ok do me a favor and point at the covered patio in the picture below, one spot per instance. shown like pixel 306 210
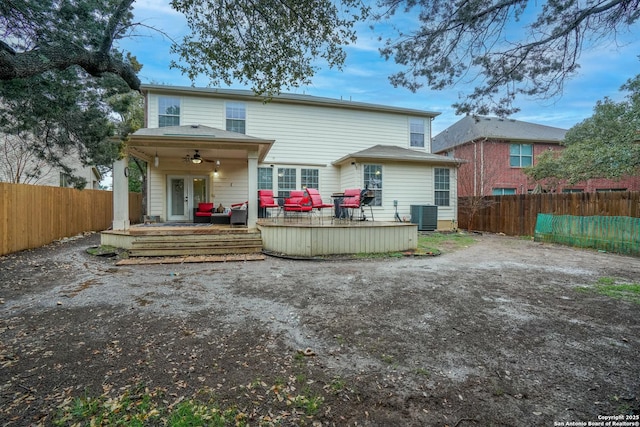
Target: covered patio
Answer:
pixel 188 165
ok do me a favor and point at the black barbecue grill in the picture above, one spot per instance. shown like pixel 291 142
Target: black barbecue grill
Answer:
pixel 366 198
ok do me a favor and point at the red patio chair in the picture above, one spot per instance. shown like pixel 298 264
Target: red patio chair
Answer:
pixel 351 201
pixel 266 201
pixel 297 202
pixel 316 201
pixel 203 212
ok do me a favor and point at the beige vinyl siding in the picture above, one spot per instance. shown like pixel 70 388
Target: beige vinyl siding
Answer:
pixel 152 110
pixel 202 111
pixel 231 186
pixel 156 195
pixel 321 134
pixel 409 184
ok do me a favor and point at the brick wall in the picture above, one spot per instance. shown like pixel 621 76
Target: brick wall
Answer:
pixel 488 167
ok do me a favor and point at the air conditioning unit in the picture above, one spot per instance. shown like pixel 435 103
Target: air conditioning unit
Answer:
pixel 426 216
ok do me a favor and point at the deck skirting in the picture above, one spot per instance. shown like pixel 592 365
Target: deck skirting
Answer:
pixel 310 240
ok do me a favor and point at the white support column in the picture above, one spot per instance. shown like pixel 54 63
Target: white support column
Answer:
pixel 252 218
pixel 121 194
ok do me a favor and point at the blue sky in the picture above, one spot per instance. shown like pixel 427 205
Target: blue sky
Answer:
pixel 364 77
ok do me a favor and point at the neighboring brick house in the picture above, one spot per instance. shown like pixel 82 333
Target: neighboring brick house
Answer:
pixel 497 149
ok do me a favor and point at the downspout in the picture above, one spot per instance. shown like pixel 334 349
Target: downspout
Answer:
pixel 430 133
pixel 482 167
pixel 475 169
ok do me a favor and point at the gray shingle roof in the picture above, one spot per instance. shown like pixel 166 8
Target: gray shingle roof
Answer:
pixel 194 131
pixel 395 153
pixel 471 128
pixel 289 98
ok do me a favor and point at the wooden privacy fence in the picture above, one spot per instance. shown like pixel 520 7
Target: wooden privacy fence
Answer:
pixel 32 216
pixel 516 215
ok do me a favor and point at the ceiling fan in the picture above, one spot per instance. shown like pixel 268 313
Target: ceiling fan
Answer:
pixel 197 159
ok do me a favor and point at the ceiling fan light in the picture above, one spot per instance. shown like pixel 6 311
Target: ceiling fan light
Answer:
pixel 196 159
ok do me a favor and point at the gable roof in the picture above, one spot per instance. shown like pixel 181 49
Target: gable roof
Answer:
pixel 472 128
pixel 285 98
pixel 396 154
pixel 196 137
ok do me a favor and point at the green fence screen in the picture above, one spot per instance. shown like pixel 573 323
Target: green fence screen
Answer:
pixel 620 234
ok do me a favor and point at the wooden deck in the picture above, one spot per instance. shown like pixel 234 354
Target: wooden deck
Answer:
pixel 160 240
pixel 305 238
pixel 291 237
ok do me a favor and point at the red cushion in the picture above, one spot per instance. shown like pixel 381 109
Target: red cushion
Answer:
pixel 203 213
pixel 205 207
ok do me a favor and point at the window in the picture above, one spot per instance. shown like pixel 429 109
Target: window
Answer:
pixel 572 190
pixel 373 182
pixel 236 117
pixel 265 178
pixel 441 186
pixel 520 155
pixel 608 190
pixel 286 181
pixel 416 130
pixel 168 111
pixel 503 191
pixel 65 180
pixel 309 178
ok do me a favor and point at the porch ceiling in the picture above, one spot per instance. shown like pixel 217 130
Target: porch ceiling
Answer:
pixel 178 142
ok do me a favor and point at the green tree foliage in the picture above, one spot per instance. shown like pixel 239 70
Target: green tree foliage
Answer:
pixel 606 145
pixel 269 44
pixel 471 41
pixel 62 114
pixel 60 77
pixel 44 35
pixel 59 70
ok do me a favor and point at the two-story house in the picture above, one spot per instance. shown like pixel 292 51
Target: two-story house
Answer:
pixel 222 146
pixel 18 164
pixel 496 150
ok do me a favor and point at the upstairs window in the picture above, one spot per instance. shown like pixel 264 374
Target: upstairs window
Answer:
pixel 168 111
pixel 373 182
pixel 236 116
pixel 416 130
pixel 520 155
pixel 441 184
pixel 503 191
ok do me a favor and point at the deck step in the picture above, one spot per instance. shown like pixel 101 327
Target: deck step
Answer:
pixel 177 245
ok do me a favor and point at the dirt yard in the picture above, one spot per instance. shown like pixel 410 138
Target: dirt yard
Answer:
pixel 501 333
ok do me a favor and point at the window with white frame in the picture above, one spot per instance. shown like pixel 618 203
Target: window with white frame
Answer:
pixel 416 131
pixel 236 117
pixel 309 178
pixel 441 185
pixel 168 111
pixel 503 191
pixel 373 182
pixel 286 181
pixel 265 178
pixel 520 155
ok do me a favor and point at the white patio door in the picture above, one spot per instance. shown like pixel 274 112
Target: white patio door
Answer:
pixel 183 194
